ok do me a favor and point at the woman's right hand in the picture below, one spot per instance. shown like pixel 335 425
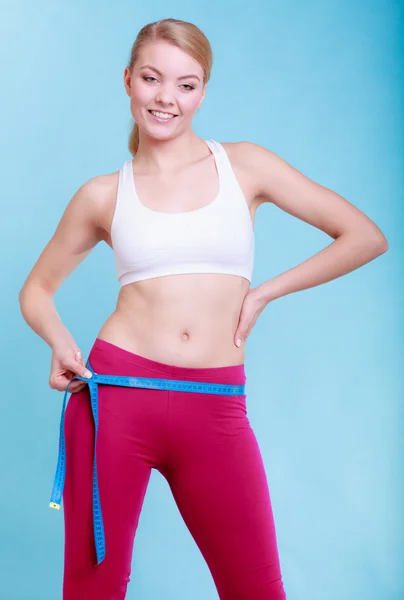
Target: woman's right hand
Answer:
pixel 67 363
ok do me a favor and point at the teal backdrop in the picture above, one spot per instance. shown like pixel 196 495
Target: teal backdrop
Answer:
pixel 319 83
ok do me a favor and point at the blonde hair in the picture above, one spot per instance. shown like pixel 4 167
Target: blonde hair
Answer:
pixel 186 36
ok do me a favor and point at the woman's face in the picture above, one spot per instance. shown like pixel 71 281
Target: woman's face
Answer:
pixel 166 79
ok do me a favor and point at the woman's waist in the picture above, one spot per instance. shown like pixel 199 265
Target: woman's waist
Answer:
pixel 111 358
pixel 180 342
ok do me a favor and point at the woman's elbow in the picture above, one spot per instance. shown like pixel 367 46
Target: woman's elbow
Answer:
pixel 381 244
pixel 384 245
pixel 375 241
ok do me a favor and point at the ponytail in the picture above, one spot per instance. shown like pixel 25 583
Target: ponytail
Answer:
pixel 134 139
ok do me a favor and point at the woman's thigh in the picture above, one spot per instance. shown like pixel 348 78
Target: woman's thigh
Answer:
pixel 219 483
pixel 129 444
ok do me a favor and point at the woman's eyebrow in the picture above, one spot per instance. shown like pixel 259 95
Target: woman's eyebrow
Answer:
pixel 161 74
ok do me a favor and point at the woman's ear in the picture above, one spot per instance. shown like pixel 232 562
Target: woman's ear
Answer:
pixel 127 80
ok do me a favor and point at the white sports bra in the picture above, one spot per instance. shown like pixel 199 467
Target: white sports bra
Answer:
pixel 217 238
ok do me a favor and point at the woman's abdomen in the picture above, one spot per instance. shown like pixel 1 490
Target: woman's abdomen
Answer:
pixel 187 320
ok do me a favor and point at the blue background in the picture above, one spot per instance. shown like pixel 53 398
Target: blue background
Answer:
pixel 319 83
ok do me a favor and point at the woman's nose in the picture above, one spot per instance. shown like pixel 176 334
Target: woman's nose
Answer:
pixel 165 96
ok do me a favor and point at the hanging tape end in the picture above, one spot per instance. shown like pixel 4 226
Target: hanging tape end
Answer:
pixel 54 505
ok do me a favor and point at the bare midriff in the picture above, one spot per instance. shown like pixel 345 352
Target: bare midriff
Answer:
pixel 186 320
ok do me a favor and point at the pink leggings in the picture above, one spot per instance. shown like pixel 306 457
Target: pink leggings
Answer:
pixel 204 446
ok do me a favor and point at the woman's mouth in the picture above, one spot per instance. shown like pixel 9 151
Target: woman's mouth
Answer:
pixel 161 117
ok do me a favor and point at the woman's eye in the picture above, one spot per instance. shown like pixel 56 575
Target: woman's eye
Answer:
pixel 186 85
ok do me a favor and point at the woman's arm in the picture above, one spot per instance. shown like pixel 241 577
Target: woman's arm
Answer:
pixel 77 233
pixel 358 240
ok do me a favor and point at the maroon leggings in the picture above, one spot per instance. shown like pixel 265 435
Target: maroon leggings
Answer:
pixel 204 446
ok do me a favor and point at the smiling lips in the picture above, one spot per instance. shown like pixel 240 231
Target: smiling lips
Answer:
pixel 162 116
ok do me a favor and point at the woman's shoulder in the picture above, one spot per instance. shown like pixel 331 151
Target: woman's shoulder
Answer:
pixel 245 151
pixel 101 189
pixel 101 184
pixel 261 168
pixel 254 158
pixel 97 196
pixel 250 157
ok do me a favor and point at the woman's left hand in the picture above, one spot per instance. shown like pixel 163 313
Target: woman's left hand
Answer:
pixel 253 305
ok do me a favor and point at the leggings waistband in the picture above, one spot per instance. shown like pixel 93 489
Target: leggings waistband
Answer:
pixel 231 373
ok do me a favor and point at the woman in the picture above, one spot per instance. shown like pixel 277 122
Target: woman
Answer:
pixel 179 218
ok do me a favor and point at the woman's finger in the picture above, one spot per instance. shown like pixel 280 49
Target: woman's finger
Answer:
pixel 77 388
pixel 60 382
pixel 76 385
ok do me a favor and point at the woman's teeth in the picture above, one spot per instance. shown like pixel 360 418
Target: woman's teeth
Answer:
pixel 160 115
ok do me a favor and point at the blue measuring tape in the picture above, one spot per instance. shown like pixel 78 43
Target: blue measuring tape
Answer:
pixel 139 382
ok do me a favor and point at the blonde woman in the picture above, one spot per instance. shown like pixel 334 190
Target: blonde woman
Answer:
pixel 163 386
